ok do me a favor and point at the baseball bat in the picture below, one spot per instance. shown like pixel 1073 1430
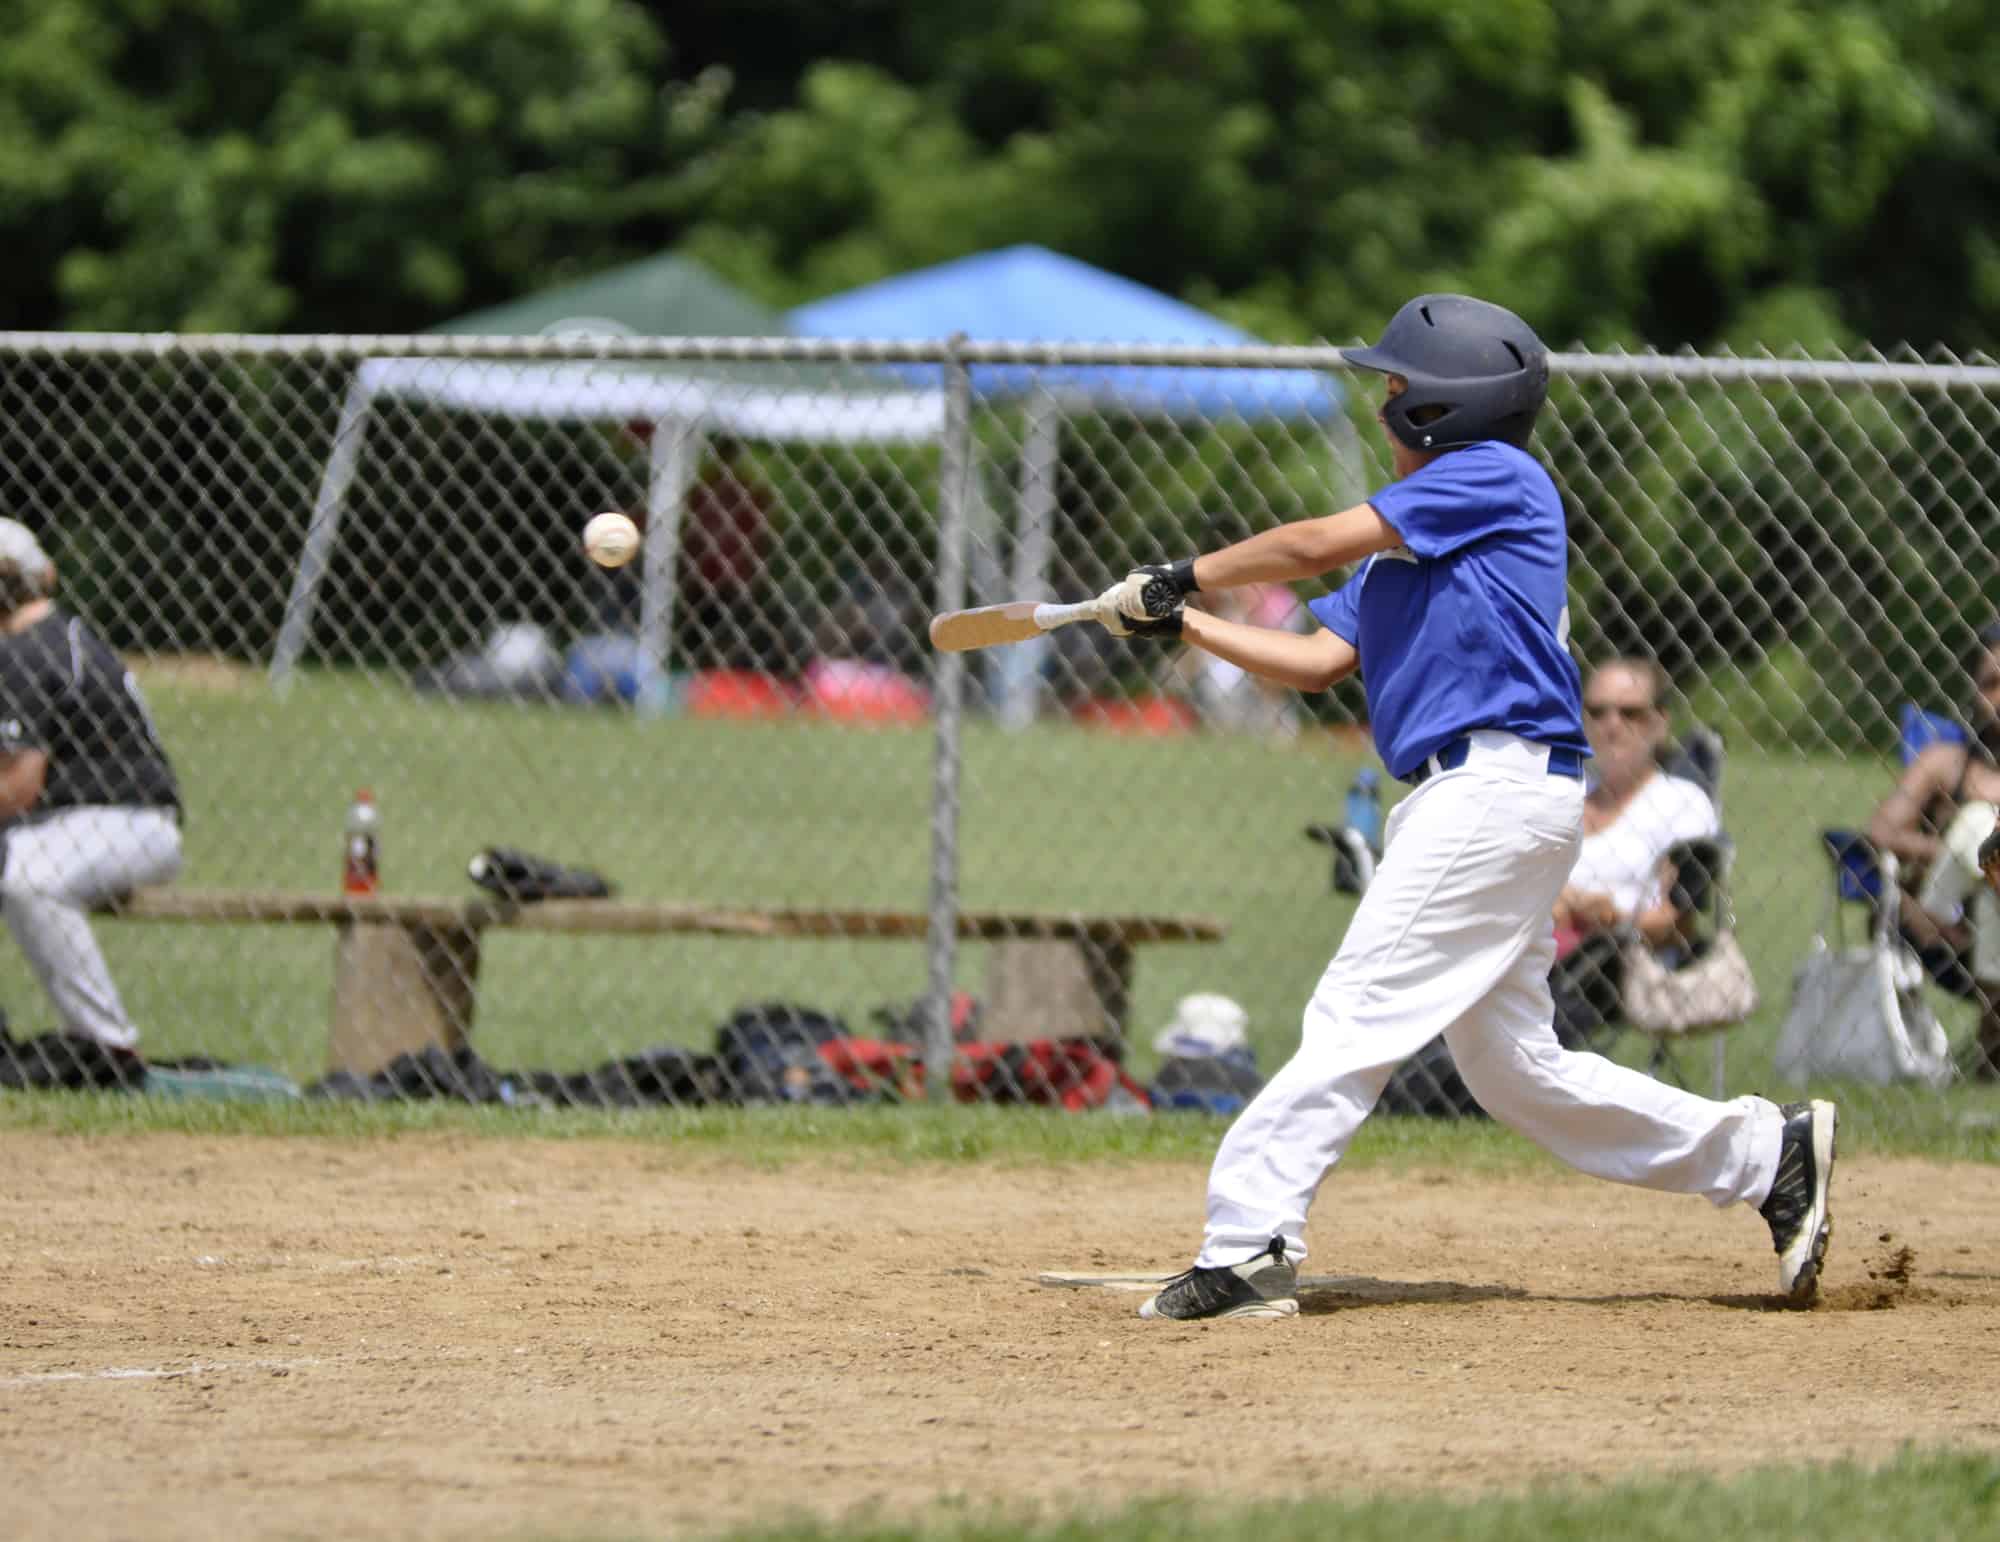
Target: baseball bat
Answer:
pixel 990 625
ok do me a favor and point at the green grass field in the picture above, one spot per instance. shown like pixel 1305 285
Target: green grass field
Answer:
pixel 810 814
pixel 1921 1497
pixel 875 1135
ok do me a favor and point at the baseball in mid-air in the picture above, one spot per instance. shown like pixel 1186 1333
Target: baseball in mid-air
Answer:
pixel 612 540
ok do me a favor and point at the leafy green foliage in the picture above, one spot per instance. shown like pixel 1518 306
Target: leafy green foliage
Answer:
pixel 347 165
pixel 1621 170
pixel 1780 175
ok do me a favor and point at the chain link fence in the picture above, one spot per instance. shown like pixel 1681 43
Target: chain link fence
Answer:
pixel 1073 870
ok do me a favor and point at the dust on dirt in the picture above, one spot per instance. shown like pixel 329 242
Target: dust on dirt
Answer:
pixel 462 1337
pixel 1891 1270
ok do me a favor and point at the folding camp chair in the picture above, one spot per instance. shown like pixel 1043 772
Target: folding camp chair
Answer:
pixel 1920 729
pixel 1860 872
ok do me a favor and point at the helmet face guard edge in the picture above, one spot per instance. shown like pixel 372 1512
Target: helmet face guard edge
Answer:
pixel 1478 362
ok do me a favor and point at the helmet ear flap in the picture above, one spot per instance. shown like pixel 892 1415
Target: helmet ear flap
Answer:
pixel 1422 422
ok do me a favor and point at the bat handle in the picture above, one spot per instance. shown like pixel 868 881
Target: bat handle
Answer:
pixel 1049 617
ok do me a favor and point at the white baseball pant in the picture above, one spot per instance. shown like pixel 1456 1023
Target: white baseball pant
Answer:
pixel 57 868
pixel 1454 936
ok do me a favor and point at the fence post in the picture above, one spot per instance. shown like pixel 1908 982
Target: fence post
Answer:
pixel 296 630
pixel 947 693
pixel 674 448
pixel 1034 541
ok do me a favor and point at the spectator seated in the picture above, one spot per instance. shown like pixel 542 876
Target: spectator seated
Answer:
pixel 1860 870
pixel 1648 899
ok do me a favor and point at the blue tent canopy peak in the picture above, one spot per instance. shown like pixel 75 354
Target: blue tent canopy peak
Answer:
pixel 1031 294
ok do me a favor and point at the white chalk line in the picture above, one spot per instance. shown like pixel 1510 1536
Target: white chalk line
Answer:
pixel 152 1373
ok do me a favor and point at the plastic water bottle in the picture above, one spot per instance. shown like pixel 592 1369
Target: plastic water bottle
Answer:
pixel 1364 807
pixel 360 871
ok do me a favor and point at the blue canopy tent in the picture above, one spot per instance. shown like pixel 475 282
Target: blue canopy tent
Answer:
pixel 1031 294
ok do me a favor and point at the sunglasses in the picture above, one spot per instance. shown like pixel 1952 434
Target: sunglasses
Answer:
pixel 1631 714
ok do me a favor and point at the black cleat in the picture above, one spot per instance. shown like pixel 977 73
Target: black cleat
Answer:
pixel 1264 1285
pixel 1797 1209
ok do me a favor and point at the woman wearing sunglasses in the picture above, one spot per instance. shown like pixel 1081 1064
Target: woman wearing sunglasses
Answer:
pixel 1633 814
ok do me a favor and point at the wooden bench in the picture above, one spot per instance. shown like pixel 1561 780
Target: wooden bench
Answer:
pixel 406 970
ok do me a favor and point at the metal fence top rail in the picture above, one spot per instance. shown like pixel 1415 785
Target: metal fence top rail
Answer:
pixel 1874 370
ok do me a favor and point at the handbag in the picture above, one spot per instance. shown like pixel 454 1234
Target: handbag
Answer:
pixel 1858 1009
pixel 1711 991
pixel 1859 1013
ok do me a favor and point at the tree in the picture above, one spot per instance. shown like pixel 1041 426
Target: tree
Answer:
pixel 1621 170
pixel 349 165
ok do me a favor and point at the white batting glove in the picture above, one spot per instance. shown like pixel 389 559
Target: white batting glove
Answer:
pixel 1105 612
pixel 1115 621
pixel 1123 601
pixel 1153 592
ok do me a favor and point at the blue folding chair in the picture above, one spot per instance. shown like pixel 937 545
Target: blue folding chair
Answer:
pixel 1920 729
pixel 1858 869
pixel 1857 872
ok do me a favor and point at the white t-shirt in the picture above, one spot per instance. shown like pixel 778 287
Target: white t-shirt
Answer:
pixel 1623 859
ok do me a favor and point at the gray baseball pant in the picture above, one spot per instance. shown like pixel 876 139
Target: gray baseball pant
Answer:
pixel 57 868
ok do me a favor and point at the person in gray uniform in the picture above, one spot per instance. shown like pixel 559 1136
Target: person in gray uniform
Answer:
pixel 89 806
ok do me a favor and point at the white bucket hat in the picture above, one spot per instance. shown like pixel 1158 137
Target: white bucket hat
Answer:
pixel 1204 1024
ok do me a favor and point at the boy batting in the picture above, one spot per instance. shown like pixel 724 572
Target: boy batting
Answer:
pixel 1457 619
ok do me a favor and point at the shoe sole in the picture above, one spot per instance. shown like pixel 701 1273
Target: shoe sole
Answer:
pixel 1284 1307
pixel 1817 1230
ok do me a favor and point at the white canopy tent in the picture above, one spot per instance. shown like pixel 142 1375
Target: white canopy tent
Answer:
pixel 684 407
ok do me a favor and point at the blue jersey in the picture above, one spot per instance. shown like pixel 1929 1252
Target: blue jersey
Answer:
pixel 1465 625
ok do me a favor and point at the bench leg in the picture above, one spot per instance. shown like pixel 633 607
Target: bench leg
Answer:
pixel 1109 960
pixel 399 990
pixel 1059 989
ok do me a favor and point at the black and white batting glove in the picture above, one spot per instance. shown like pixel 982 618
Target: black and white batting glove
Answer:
pixel 1118 624
pixel 1153 592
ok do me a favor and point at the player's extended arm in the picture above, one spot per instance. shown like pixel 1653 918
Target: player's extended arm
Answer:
pixel 1306 662
pixel 1896 825
pixel 1305 548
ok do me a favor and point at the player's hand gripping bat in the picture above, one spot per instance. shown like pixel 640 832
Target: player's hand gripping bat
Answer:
pixel 1016 621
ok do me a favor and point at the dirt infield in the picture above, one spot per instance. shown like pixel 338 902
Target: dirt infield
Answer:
pixel 462 1337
